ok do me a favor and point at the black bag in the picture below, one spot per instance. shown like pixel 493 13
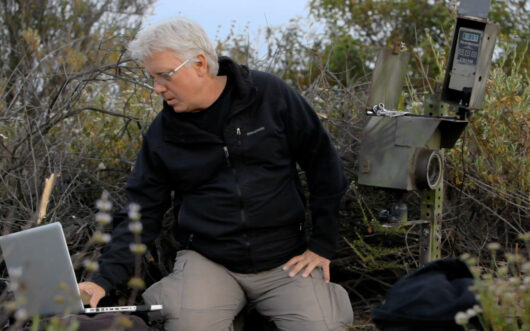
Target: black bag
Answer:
pixel 427 299
pixel 103 321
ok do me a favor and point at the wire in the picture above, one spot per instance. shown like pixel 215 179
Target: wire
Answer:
pixel 407 245
pixel 463 161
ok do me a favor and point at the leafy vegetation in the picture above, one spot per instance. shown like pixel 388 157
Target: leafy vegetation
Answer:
pixel 502 288
pixel 64 100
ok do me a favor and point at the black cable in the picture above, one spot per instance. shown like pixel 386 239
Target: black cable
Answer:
pixel 462 160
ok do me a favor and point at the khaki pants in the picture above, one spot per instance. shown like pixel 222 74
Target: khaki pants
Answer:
pixel 202 295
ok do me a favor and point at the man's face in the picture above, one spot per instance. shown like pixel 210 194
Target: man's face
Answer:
pixel 181 89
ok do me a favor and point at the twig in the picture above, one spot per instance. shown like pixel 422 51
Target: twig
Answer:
pixel 48 186
pixel 519 231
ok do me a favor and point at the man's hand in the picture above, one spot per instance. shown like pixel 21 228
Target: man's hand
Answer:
pixel 91 293
pixel 309 261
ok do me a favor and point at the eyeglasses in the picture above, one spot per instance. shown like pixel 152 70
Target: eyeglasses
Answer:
pixel 166 76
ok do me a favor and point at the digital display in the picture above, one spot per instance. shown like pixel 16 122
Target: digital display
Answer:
pixel 473 37
pixel 468 47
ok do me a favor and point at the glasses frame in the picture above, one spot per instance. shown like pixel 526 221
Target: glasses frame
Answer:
pixel 166 76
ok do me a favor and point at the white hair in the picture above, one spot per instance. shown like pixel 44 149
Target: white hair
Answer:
pixel 180 35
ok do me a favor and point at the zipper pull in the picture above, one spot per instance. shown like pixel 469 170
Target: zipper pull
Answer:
pixel 227 155
pixel 238 133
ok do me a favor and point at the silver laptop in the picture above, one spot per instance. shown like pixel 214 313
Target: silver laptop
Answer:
pixel 40 268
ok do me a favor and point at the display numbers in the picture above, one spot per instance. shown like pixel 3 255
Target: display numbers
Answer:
pixel 468 36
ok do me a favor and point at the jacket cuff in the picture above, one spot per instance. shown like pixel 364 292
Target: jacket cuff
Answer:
pixel 98 279
pixel 321 248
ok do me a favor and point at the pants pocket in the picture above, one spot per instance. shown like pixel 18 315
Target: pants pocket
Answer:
pixel 168 293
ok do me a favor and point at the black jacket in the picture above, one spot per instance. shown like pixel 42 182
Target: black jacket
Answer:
pixel 428 299
pixel 240 199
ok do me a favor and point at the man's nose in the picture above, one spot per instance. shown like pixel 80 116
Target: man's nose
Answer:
pixel 159 88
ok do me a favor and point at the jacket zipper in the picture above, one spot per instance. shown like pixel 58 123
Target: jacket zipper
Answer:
pixel 238 188
pixel 239 193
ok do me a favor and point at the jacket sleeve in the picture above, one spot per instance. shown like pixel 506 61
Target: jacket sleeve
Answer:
pixel 147 187
pixel 313 150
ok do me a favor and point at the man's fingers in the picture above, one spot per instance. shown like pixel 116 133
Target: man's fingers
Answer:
pixel 299 266
pixel 292 262
pixel 91 293
pixel 95 300
pixel 309 269
pixel 85 297
pixel 309 261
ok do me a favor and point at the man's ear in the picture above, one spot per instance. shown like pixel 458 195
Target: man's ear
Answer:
pixel 201 64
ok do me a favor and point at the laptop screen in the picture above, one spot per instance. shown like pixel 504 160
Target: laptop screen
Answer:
pixel 41 271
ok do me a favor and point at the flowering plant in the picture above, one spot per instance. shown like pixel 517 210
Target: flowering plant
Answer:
pixel 503 290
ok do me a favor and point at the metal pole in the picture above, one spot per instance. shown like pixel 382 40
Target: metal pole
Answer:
pixel 430 234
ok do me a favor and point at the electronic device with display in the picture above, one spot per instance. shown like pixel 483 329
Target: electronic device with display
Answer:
pixel 466 58
pixel 469 60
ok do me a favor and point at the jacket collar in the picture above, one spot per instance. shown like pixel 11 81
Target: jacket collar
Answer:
pixel 238 74
pixel 245 93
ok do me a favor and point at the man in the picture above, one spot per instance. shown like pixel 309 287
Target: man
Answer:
pixel 226 145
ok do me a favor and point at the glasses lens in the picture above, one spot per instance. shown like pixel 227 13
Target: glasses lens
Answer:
pixel 165 76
